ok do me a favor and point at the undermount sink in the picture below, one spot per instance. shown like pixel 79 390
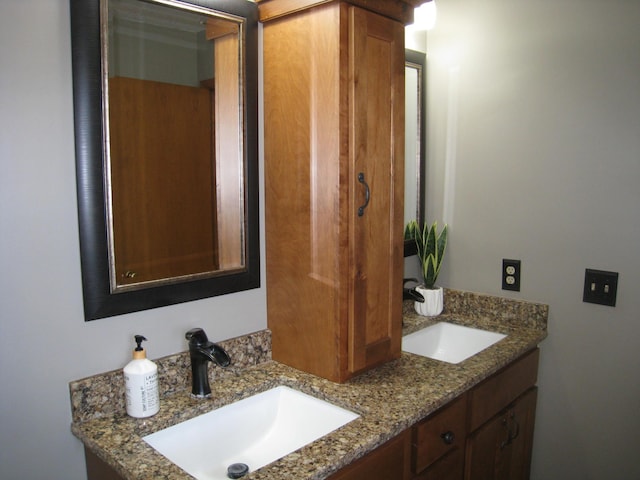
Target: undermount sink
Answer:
pixel 449 342
pixel 254 431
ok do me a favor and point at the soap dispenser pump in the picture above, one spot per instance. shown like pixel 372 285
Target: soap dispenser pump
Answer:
pixel 141 383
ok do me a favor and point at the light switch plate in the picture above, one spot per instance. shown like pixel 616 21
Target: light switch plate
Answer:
pixel 600 287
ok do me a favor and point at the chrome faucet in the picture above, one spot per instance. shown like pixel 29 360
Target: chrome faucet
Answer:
pixel 202 351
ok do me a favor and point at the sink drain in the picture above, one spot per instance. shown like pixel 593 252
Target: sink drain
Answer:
pixel 237 470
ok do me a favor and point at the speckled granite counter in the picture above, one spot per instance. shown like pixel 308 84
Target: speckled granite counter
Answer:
pixel 389 399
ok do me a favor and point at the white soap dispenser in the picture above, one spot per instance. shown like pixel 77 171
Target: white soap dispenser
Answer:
pixel 141 383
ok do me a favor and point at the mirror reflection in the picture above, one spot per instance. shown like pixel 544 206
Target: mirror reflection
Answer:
pixel 172 86
pixel 415 143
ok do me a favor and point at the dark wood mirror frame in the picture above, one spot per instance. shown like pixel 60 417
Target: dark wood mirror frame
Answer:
pixel 99 302
pixel 417 60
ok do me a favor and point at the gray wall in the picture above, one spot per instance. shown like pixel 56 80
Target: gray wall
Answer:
pixel 44 341
pixel 534 154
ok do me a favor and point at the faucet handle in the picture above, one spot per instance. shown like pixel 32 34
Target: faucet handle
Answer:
pixel 197 337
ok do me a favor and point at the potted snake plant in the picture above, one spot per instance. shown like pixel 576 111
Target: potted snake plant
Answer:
pixel 431 247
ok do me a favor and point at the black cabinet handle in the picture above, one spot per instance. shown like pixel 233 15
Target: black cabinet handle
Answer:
pixel 513 430
pixel 448 437
pixel 367 194
pixel 516 433
pixel 505 424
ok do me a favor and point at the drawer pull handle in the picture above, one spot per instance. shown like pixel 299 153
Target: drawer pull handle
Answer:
pixel 448 437
pixel 505 424
pixel 367 194
pixel 516 434
pixel 511 434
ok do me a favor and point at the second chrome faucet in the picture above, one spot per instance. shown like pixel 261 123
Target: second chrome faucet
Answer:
pixel 201 352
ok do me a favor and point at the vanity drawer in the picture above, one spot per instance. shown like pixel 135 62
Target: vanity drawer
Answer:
pixel 439 434
pixel 499 390
pixel 389 461
pixel 449 467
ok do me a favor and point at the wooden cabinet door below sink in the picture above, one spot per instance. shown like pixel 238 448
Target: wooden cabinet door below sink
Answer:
pixel 98 469
pixel 501 449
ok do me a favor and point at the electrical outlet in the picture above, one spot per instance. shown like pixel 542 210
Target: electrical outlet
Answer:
pixel 511 275
pixel 600 287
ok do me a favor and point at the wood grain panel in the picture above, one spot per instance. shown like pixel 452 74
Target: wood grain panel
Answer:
pixel 375 71
pixel 303 164
pixel 451 467
pixel 334 80
pixel 501 448
pixel 98 469
pixel 400 10
pixel 428 442
pixel 228 145
pixel 388 462
pixel 162 179
pixel 489 397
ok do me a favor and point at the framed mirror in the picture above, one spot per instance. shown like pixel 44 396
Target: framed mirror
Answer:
pixel 165 105
pixel 415 141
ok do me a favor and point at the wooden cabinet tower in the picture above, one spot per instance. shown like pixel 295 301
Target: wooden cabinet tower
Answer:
pixel 334 174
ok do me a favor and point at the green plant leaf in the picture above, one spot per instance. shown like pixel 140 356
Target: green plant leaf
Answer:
pixel 429 272
pixel 411 230
pixel 430 240
pixel 441 246
pixel 431 248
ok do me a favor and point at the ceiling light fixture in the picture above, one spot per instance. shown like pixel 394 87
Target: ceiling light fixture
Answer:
pixel 424 16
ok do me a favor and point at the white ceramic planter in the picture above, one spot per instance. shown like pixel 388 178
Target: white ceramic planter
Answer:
pixel 433 301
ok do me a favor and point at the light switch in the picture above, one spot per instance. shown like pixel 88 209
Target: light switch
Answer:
pixel 600 287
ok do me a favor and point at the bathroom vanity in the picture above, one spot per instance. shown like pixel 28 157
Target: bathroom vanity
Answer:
pixel 485 433
pixel 419 418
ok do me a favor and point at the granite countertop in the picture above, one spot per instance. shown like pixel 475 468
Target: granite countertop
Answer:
pixel 388 399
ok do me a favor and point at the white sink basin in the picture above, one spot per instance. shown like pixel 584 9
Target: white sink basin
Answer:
pixel 255 431
pixel 448 342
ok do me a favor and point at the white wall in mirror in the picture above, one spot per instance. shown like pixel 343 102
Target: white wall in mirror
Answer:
pixel 415 39
pixel 411 145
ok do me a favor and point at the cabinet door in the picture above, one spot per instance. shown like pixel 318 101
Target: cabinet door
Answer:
pixel 523 418
pixel 501 389
pixel 98 469
pixel 376 180
pixel 450 467
pixel 501 449
pixel 390 461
